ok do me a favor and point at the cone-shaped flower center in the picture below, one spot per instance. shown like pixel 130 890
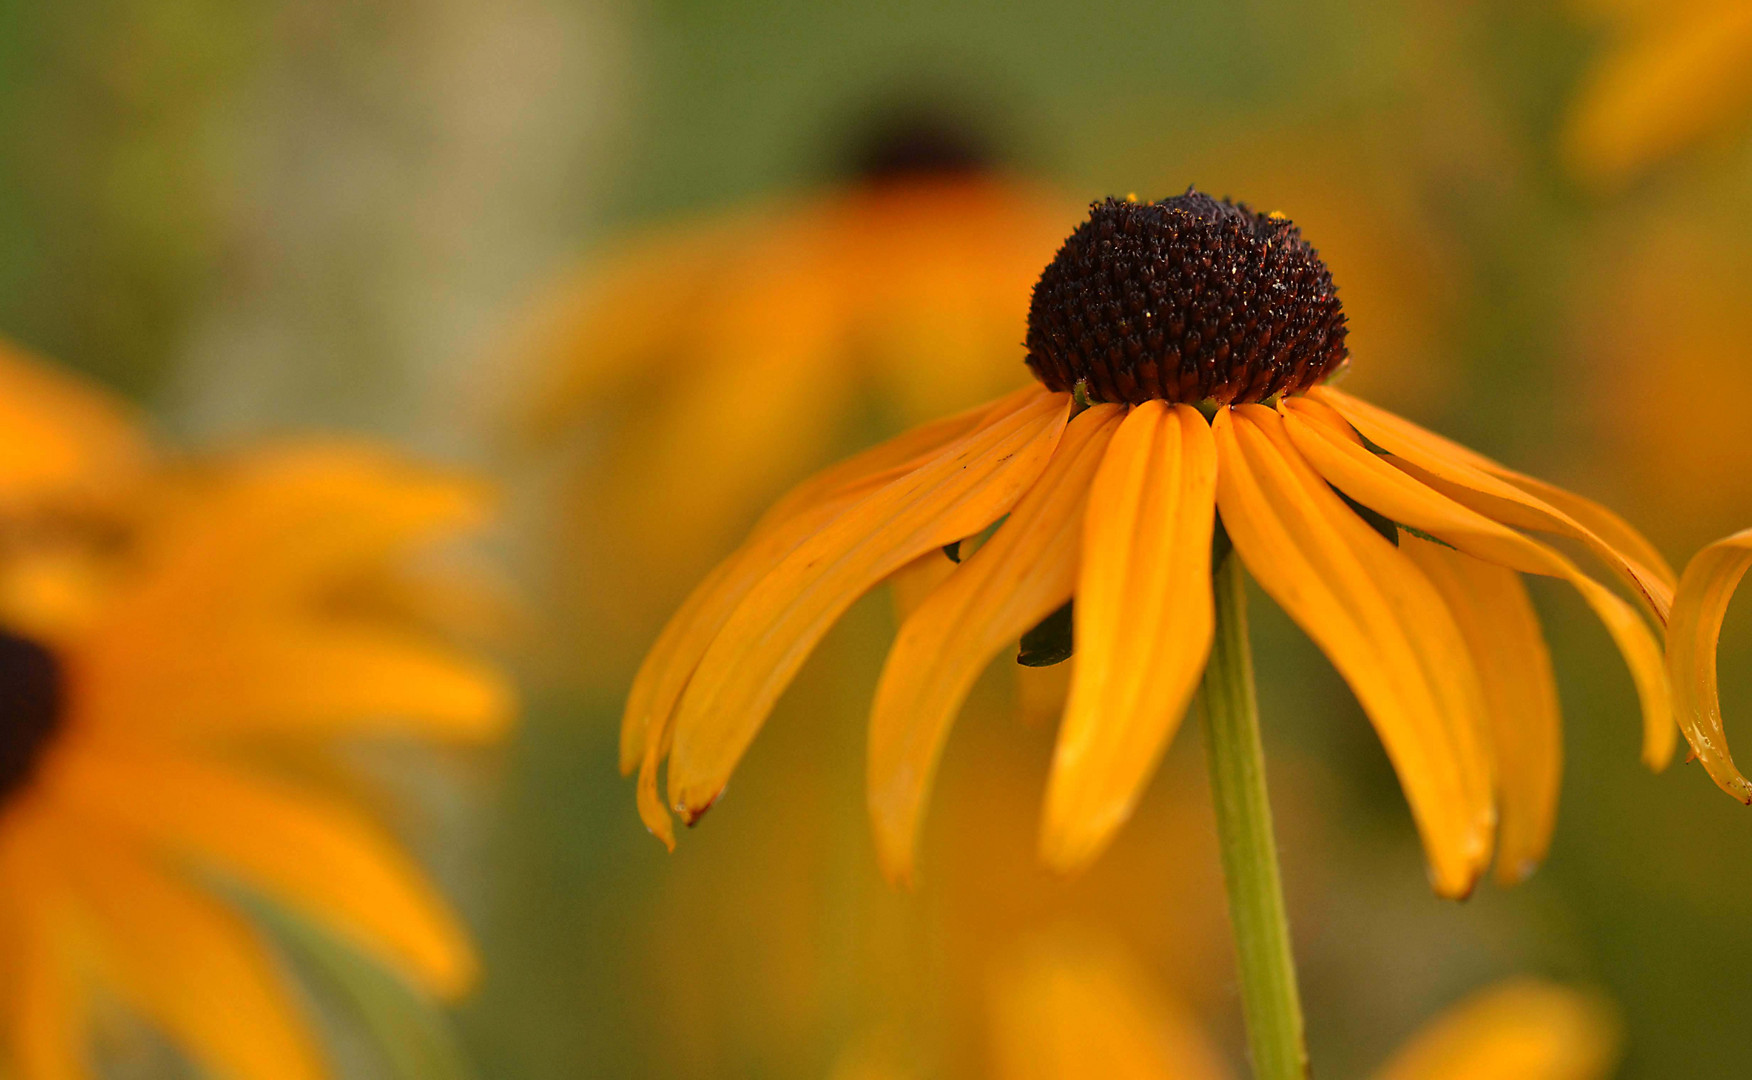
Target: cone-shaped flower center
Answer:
pixel 1187 299
pixel 31 699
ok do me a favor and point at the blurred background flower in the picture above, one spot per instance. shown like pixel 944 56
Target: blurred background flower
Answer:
pixel 179 639
pixel 258 218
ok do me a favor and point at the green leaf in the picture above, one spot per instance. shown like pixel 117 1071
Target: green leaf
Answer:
pixel 1049 642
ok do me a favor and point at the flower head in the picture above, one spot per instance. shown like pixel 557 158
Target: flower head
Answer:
pixel 154 649
pixel 1397 551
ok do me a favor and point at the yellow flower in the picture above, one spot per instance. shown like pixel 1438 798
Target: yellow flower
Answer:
pixel 757 340
pixel 1059 1013
pixel 155 650
pixel 1680 72
pixel 1398 552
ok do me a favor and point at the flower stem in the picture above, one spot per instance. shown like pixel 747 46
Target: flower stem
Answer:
pixel 1269 999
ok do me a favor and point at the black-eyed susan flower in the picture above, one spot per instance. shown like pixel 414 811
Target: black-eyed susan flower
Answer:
pixel 710 362
pixel 1678 73
pixel 156 650
pixel 1065 1007
pixel 1181 348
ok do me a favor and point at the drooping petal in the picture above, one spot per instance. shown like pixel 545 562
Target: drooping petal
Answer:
pixel 1514 666
pixel 811 505
pixel 309 853
pixel 1328 442
pixel 1522 1029
pixel 191 965
pixel 766 639
pixel 889 460
pixel 1020 576
pixel 1144 619
pixel 1705 588
pixel 1479 483
pixel 1382 624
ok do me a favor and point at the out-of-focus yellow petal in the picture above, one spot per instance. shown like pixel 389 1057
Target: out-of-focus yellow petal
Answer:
pixel 1025 572
pixel 309 682
pixel 1520 693
pixel 66 441
pixel 1475 481
pixel 1698 609
pixel 1523 1029
pixel 1683 74
pixel 254 563
pixel 309 852
pixel 1068 1011
pixel 189 964
pixel 44 1011
pixel 766 639
pixel 1144 618
pixel 599 328
pixel 1331 446
pixel 1379 620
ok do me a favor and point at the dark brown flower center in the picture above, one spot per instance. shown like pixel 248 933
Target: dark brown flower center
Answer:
pixel 31 700
pixel 1188 299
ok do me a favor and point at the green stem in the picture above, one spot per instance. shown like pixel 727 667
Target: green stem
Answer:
pixel 1267 969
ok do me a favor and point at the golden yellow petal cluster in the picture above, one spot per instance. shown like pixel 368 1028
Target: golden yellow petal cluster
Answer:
pixel 205 618
pixel 1422 610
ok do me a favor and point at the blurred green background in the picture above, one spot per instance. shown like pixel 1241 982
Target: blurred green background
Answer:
pixel 257 216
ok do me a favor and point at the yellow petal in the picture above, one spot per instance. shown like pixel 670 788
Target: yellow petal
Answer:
pixel 1332 447
pixel 1474 481
pixel 892 459
pixel 1379 620
pixel 295 680
pixel 191 965
pixel 67 441
pixel 1525 734
pixel 1686 74
pixel 1698 609
pixel 45 1005
pixel 648 724
pixel 763 643
pixel 1518 1030
pixel 1025 572
pixel 813 503
pixel 601 327
pixel 1065 1011
pixel 1144 618
pixel 310 853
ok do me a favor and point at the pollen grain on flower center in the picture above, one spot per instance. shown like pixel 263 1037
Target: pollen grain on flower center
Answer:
pixel 30 707
pixel 1185 300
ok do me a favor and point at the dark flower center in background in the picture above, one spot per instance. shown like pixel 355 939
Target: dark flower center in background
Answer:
pixel 31 700
pixel 1187 299
pixel 914 143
